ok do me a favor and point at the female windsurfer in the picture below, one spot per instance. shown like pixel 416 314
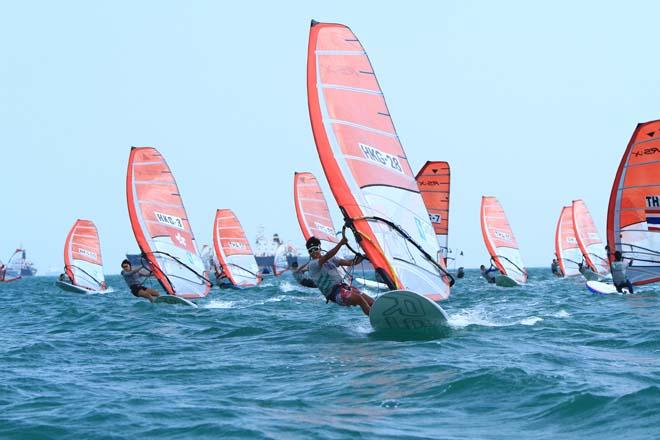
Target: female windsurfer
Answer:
pixel 133 278
pixel 323 270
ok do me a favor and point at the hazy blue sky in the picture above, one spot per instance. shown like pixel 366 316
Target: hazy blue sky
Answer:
pixel 533 103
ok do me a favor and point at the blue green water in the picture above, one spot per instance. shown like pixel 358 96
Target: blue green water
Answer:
pixel 548 360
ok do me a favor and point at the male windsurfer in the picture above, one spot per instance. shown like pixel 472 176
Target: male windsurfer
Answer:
pixel 488 274
pixel 584 269
pixel 619 277
pixel 64 277
pixel 133 278
pixel 323 270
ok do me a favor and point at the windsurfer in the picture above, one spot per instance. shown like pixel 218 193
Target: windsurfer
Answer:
pixel 584 269
pixel 323 271
pixel 65 278
pixel 489 274
pixel 619 277
pixel 133 278
pixel 556 270
pixel 301 275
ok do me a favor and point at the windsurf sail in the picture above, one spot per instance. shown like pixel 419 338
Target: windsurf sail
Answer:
pixel 312 210
pixel 566 246
pixel 633 217
pixel 588 239
pixel 280 261
pixel 14 266
pixel 500 241
pixel 433 182
pixel 366 166
pixel 233 250
pixel 82 256
pixel 161 225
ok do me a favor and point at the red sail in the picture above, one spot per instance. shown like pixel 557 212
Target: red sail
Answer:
pixel 566 246
pixel 161 227
pixel 312 209
pixel 588 238
pixel 433 182
pixel 83 262
pixel 233 250
pixel 633 217
pixel 500 241
pixel 365 164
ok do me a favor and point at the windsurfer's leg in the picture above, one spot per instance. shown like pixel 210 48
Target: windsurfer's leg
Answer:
pixel 143 293
pixel 357 299
pixel 152 292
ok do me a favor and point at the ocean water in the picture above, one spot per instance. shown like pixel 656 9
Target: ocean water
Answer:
pixel 548 360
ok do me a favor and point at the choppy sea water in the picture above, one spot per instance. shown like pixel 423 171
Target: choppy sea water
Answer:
pixel 549 360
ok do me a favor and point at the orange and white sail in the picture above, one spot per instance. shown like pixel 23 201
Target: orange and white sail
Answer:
pixel 567 249
pixel 312 210
pixel 14 266
pixel 633 217
pixel 586 234
pixel 500 241
pixel 83 262
pixel 161 227
pixel 433 182
pixel 234 251
pixel 366 166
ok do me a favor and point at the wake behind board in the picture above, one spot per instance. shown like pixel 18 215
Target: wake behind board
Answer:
pixel 603 288
pixel 505 281
pixel 405 310
pixel 77 289
pixel 176 300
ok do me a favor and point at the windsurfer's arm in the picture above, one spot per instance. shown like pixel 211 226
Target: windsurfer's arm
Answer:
pixel 353 261
pixel 332 252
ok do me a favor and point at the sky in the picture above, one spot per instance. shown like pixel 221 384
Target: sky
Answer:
pixel 531 102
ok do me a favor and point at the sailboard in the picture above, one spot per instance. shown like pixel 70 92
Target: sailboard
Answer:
pixel 161 227
pixel 234 251
pixel 591 246
pixel 14 265
pixel 433 181
pixel 83 262
pixel 604 288
pixel 633 216
pixel 369 174
pixel 567 249
pixel 501 243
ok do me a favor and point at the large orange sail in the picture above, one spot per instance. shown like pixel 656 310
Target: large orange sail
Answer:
pixel 234 251
pixel 500 241
pixel 83 262
pixel 160 224
pixel 566 246
pixel 365 163
pixel 633 217
pixel 433 182
pixel 312 210
pixel 586 234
